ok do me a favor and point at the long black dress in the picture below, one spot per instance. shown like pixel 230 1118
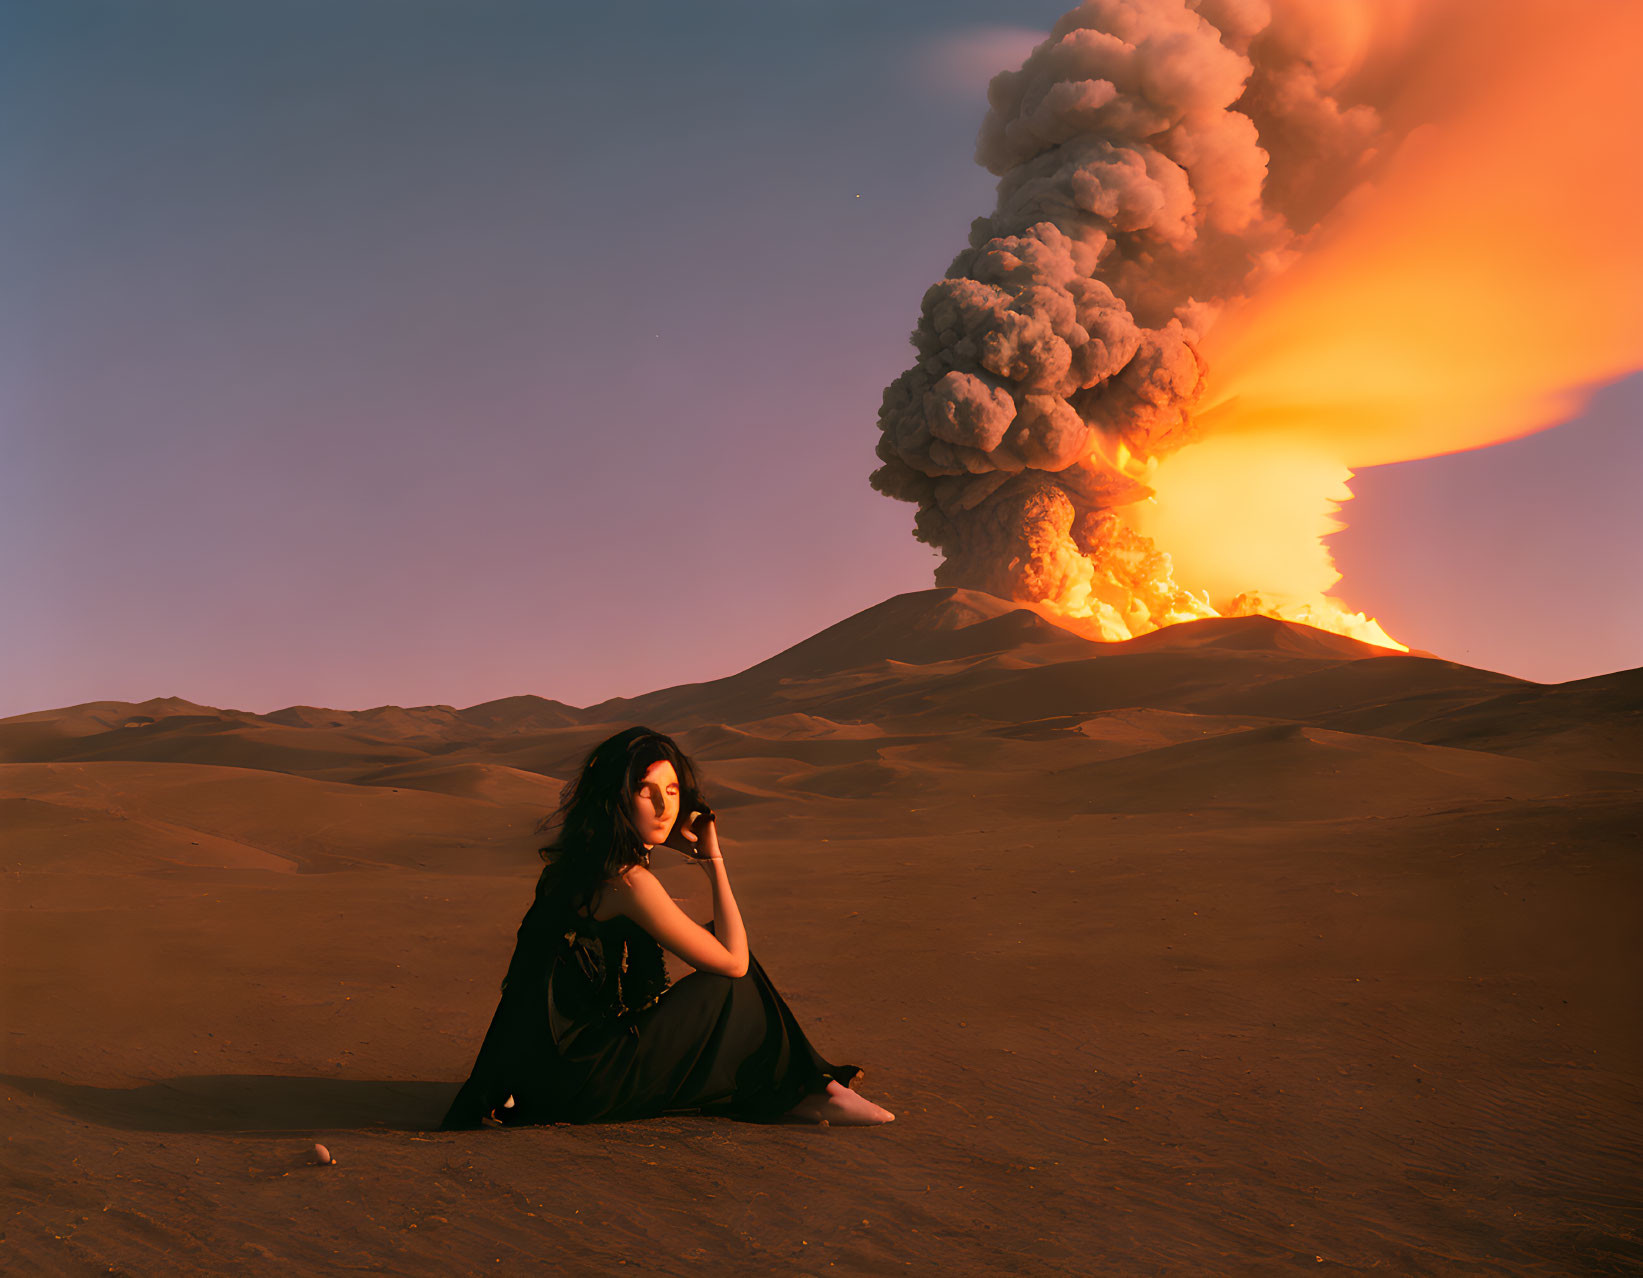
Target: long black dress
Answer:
pixel 589 1030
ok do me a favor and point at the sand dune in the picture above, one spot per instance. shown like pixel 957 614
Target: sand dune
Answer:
pixel 802 727
pixel 383 723
pixel 1592 722
pixel 226 737
pixel 44 732
pixel 522 714
pixel 1293 772
pixel 919 629
pixel 491 782
pixel 1131 731
pixel 1236 948
pixel 1253 634
pixel 248 816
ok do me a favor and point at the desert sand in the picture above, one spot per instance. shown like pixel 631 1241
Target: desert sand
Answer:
pixel 1237 948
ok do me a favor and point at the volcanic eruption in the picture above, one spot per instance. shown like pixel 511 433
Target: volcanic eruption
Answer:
pixel 1239 247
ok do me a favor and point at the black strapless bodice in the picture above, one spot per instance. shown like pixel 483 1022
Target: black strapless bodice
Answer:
pixel 594 969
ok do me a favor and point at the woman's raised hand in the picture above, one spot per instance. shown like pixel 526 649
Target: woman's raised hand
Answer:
pixel 699 834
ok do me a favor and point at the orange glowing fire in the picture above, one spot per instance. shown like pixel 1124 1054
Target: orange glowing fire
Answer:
pixel 1487 283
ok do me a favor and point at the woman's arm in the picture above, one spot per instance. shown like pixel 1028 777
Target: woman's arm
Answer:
pixel 727 917
pixel 643 899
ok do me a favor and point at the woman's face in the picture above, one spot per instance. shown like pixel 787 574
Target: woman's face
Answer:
pixel 656 805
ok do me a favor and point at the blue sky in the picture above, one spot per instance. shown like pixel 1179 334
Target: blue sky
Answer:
pixel 356 353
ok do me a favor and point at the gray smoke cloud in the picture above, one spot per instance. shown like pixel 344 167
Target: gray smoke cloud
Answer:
pixel 1156 160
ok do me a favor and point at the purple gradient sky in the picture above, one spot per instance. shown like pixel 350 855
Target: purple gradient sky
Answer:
pixel 377 352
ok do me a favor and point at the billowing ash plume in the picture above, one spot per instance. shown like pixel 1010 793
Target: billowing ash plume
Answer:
pixel 1156 159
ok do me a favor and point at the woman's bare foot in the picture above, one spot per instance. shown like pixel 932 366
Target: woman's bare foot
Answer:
pixel 495 1117
pixel 840 1106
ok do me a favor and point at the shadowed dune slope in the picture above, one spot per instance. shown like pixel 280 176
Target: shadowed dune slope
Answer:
pixel 1594 723
pixel 85 815
pixel 1298 773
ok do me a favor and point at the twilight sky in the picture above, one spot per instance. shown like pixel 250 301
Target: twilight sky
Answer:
pixel 360 352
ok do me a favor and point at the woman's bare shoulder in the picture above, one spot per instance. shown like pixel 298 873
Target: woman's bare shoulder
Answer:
pixel 632 876
pixel 620 890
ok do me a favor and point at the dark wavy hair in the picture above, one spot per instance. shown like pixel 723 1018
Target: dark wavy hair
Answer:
pixel 597 839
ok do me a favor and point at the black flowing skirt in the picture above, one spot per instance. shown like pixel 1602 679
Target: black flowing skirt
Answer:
pixel 710 1043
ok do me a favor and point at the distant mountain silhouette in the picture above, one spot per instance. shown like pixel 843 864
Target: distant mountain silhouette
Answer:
pixel 937 661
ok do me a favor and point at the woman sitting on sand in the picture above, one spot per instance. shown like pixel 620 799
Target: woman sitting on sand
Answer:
pixel 588 1028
